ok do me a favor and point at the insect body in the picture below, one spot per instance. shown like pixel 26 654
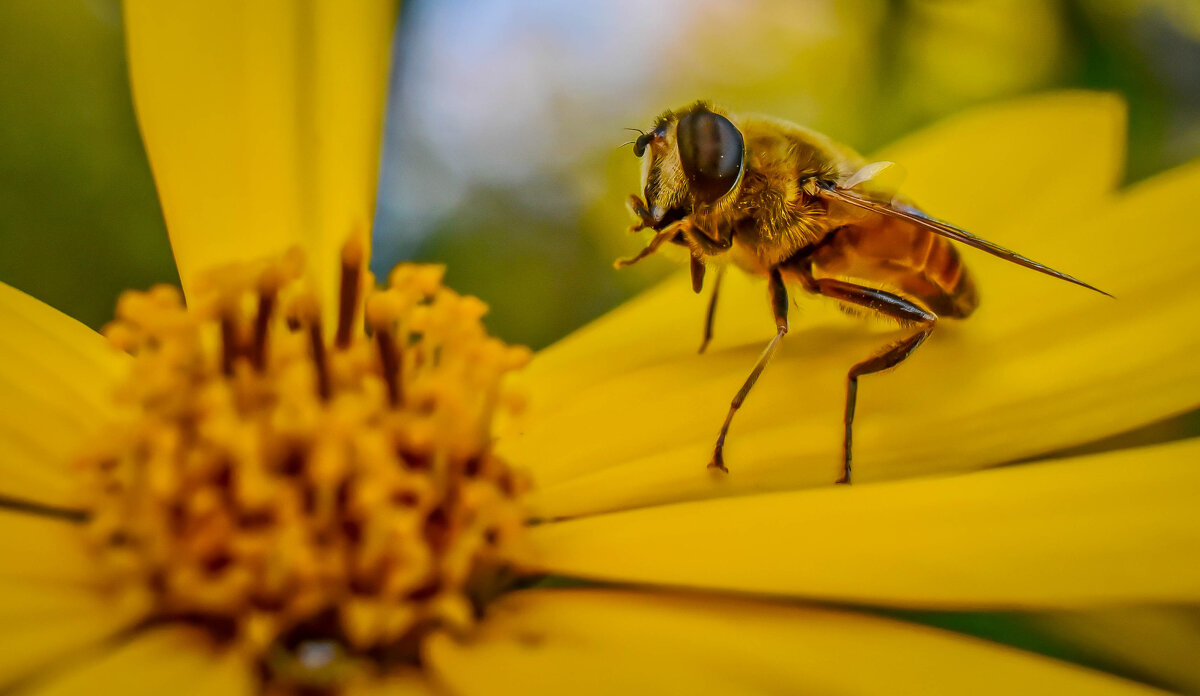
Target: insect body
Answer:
pixel 788 203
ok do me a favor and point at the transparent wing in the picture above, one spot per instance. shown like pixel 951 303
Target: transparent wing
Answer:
pixel 877 181
pixel 912 215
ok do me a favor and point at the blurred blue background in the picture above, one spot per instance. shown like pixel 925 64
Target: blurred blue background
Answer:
pixel 503 155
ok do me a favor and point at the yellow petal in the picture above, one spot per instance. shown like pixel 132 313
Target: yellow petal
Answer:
pixel 40 625
pixel 1042 365
pixel 262 121
pixel 166 661
pixel 403 684
pixel 610 642
pixel 50 610
pixel 1122 527
pixel 55 381
pixel 995 169
pixel 1160 643
pixel 41 643
pixel 44 549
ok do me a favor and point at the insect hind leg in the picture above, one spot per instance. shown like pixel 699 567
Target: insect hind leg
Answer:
pixel 891 356
pixel 887 304
pixel 779 306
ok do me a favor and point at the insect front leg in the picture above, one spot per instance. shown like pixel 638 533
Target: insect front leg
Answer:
pixel 641 212
pixel 779 306
pixel 904 311
pixel 664 235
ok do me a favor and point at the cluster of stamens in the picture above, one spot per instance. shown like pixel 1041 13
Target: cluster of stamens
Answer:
pixel 278 481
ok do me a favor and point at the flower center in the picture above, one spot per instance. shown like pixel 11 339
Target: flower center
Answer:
pixel 310 500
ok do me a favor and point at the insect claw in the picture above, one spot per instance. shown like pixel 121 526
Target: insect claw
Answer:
pixel 718 461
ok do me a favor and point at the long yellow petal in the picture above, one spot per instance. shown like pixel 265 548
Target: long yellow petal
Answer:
pixel 402 684
pixel 41 625
pixel 1122 527
pixel 50 609
pixel 996 169
pixel 166 661
pixel 611 642
pixel 38 645
pixel 262 121
pixel 55 381
pixel 44 549
pixel 1160 643
pixel 1042 365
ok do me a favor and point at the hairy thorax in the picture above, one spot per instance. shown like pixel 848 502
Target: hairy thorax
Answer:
pixel 776 216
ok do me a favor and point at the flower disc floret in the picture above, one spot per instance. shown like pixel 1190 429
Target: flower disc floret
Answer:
pixel 297 488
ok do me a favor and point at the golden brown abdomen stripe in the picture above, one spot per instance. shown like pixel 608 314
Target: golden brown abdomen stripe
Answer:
pixel 895 255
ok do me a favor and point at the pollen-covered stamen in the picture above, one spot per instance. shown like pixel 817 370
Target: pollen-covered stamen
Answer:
pixel 309 319
pixel 344 501
pixel 353 255
pixel 316 342
pixel 262 322
pixel 383 313
pixel 230 346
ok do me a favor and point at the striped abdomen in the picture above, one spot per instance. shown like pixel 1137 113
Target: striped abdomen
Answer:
pixel 897 256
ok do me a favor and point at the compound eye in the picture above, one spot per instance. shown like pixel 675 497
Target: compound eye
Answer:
pixel 711 150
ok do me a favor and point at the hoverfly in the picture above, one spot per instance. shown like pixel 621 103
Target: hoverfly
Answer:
pixel 790 204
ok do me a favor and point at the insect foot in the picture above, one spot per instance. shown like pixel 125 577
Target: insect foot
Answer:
pixel 718 461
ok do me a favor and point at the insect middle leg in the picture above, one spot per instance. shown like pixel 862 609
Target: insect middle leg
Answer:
pixel 703 246
pixel 904 311
pixel 779 305
pixel 711 314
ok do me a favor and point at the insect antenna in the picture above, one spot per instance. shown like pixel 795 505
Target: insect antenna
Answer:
pixel 639 131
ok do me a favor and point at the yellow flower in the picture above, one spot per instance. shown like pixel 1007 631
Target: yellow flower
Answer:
pixel 262 125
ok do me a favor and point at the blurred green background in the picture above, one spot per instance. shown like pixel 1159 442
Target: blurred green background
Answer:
pixel 502 156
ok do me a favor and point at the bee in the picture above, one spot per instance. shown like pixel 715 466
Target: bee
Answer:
pixel 785 202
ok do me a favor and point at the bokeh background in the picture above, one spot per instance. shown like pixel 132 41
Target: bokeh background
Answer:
pixel 503 156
